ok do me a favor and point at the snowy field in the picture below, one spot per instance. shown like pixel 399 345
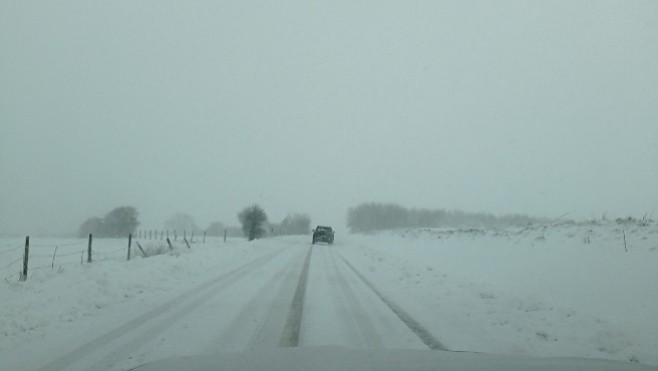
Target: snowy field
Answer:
pixel 564 290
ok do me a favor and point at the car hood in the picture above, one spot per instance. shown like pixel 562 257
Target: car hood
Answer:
pixel 337 358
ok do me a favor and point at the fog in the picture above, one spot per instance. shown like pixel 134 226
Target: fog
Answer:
pixel 205 107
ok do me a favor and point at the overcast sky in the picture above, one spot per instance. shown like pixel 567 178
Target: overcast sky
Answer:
pixel 204 107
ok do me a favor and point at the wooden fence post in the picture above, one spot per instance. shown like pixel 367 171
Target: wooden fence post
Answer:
pixel 142 250
pixel 187 243
pixel 130 242
pixel 169 243
pixel 89 249
pixel 25 258
pixel 52 265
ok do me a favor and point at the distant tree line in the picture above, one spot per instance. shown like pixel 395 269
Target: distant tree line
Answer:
pixel 368 217
pixel 119 222
pixel 182 222
pixel 122 221
pixel 215 229
pixel 295 224
pixel 256 225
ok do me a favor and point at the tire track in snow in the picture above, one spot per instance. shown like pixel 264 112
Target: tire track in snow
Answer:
pixel 361 317
pixel 259 323
pixel 149 324
pixel 290 335
pixel 425 336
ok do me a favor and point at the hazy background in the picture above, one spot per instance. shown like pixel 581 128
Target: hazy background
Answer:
pixel 205 107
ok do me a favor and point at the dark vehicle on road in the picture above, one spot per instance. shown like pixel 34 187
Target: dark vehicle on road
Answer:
pixel 323 234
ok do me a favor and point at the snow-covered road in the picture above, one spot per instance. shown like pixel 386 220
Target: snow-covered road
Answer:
pixel 286 294
pixel 242 308
pixel 455 290
pixel 239 309
pixel 342 309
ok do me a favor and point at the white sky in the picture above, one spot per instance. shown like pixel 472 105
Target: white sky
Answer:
pixel 205 107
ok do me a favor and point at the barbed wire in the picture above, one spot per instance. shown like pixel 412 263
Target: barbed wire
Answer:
pixel 11 264
pixel 55 258
pixel 69 253
pixel 69 263
pixel 41 267
pixel 104 255
pixel 110 254
pixel 55 265
pixel 122 249
pixel 104 258
pixel 13 276
pixel 59 244
pixel 10 250
pixel 40 256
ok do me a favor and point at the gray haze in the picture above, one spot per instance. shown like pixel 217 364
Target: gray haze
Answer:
pixel 204 107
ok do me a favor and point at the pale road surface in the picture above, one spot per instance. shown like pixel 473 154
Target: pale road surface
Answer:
pixel 291 295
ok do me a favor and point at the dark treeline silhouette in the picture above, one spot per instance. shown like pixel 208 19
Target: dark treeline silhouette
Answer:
pixel 295 224
pixel 119 222
pixel 368 217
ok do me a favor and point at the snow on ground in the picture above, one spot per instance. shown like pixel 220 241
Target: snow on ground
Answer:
pixel 562 290
pixel 62 304
pixel 569 289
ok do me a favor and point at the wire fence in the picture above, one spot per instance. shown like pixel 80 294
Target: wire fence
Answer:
pixel 7 251
pixel 11 257
pixel 54 254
